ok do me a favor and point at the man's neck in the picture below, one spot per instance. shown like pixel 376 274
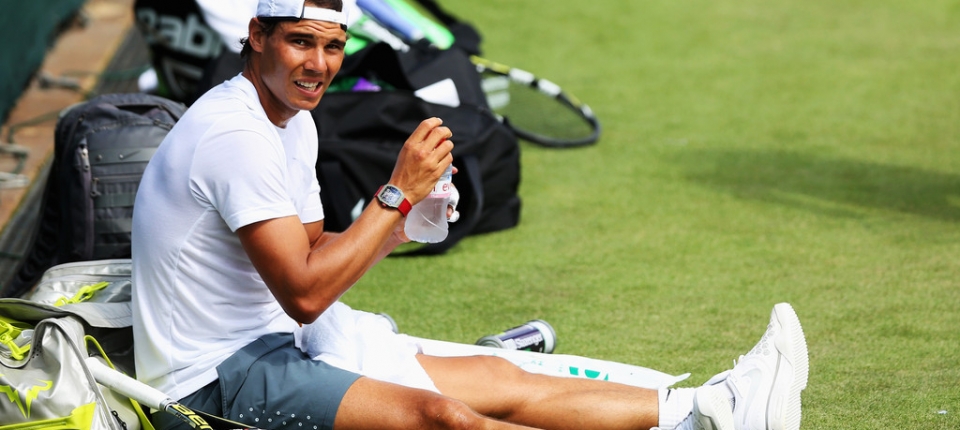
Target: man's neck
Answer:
pixel 275 113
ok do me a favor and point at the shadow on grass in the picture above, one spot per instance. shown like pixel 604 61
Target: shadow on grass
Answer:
pixel 837 187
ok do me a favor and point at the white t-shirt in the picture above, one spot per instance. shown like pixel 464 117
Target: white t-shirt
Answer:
pixel 197 298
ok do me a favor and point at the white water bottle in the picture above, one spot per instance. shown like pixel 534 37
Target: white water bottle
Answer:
pixel 427 220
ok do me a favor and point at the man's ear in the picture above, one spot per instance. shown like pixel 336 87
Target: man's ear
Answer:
pixel 255 34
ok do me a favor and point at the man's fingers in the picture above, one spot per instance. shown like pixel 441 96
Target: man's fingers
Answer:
pixel 424 129
pixel 439 136
pixel 452 214
pixel 425 155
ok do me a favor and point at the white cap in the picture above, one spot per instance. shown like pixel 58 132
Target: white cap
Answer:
pixel 296 9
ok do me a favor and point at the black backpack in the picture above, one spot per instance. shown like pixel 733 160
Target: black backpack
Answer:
pixel 101 148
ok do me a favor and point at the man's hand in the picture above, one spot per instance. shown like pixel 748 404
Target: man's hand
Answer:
pixel 423 158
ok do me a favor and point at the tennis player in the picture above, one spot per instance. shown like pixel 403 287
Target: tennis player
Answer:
pixel 230 256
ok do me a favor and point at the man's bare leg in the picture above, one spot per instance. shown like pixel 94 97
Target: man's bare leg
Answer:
pixel 374 405
pixel 496 388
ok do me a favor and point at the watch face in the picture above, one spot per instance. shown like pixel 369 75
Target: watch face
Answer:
pixel 391 196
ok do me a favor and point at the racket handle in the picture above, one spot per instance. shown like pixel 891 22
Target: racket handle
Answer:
pixel 127 386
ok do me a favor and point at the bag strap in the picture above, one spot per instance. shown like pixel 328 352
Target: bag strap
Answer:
pixel 42 251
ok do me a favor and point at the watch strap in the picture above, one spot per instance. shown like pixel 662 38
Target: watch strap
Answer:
pixel 404 206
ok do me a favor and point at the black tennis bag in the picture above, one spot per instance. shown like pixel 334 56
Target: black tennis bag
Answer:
pixel 101 148
pixel 361 133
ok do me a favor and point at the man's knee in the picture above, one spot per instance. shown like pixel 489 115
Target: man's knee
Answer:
pixel 445 413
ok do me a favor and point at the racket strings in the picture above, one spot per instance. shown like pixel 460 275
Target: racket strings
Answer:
pixel 537 109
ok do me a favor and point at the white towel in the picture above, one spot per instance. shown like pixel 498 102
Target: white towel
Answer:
pixel 364 343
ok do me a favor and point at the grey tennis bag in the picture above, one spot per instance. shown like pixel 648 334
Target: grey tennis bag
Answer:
pixel 77 310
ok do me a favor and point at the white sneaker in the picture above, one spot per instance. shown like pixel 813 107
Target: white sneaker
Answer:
pixel 766 383
pixel 711 409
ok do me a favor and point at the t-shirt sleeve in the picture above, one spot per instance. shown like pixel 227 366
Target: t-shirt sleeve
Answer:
pixel 240 174
pixel 313 206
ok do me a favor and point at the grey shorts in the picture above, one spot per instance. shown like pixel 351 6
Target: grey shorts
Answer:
pixel 270 384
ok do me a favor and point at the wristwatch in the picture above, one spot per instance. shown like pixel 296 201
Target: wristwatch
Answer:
pixel 391 197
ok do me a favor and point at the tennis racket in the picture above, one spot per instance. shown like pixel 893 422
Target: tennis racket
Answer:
pixel 153 398
pixel 536 109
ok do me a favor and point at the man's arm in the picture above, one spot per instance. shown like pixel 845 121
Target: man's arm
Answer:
pixel 320 237
pixel 307 272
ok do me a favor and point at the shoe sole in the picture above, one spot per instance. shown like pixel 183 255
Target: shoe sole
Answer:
pixel 713 410
pixel 784 412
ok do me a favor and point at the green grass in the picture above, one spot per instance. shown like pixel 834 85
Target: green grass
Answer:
pixel 753 152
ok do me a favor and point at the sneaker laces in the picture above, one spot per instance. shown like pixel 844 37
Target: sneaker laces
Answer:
pixel 720 377
pixel 760 348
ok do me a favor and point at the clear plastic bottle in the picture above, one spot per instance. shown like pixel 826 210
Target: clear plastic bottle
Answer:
pixel 427 220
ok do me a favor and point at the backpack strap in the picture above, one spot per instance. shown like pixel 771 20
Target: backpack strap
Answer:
pixel 42 252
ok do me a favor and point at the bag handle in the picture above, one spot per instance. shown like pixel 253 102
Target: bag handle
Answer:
pixel 137 103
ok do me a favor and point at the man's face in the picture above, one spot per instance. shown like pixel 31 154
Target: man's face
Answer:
pixel 296 64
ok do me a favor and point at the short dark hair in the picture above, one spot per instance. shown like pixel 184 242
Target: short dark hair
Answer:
pixel 270 25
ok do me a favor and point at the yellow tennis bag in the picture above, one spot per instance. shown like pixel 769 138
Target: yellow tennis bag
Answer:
pixel 45 339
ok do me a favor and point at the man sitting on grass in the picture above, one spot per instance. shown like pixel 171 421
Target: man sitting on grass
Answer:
pixel 230 257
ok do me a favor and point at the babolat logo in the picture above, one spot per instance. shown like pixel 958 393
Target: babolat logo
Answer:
pixel 24 402
pixel 182 34
pixel 192 416
pixel 184 45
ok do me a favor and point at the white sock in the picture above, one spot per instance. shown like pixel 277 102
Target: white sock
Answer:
pixel 675 405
